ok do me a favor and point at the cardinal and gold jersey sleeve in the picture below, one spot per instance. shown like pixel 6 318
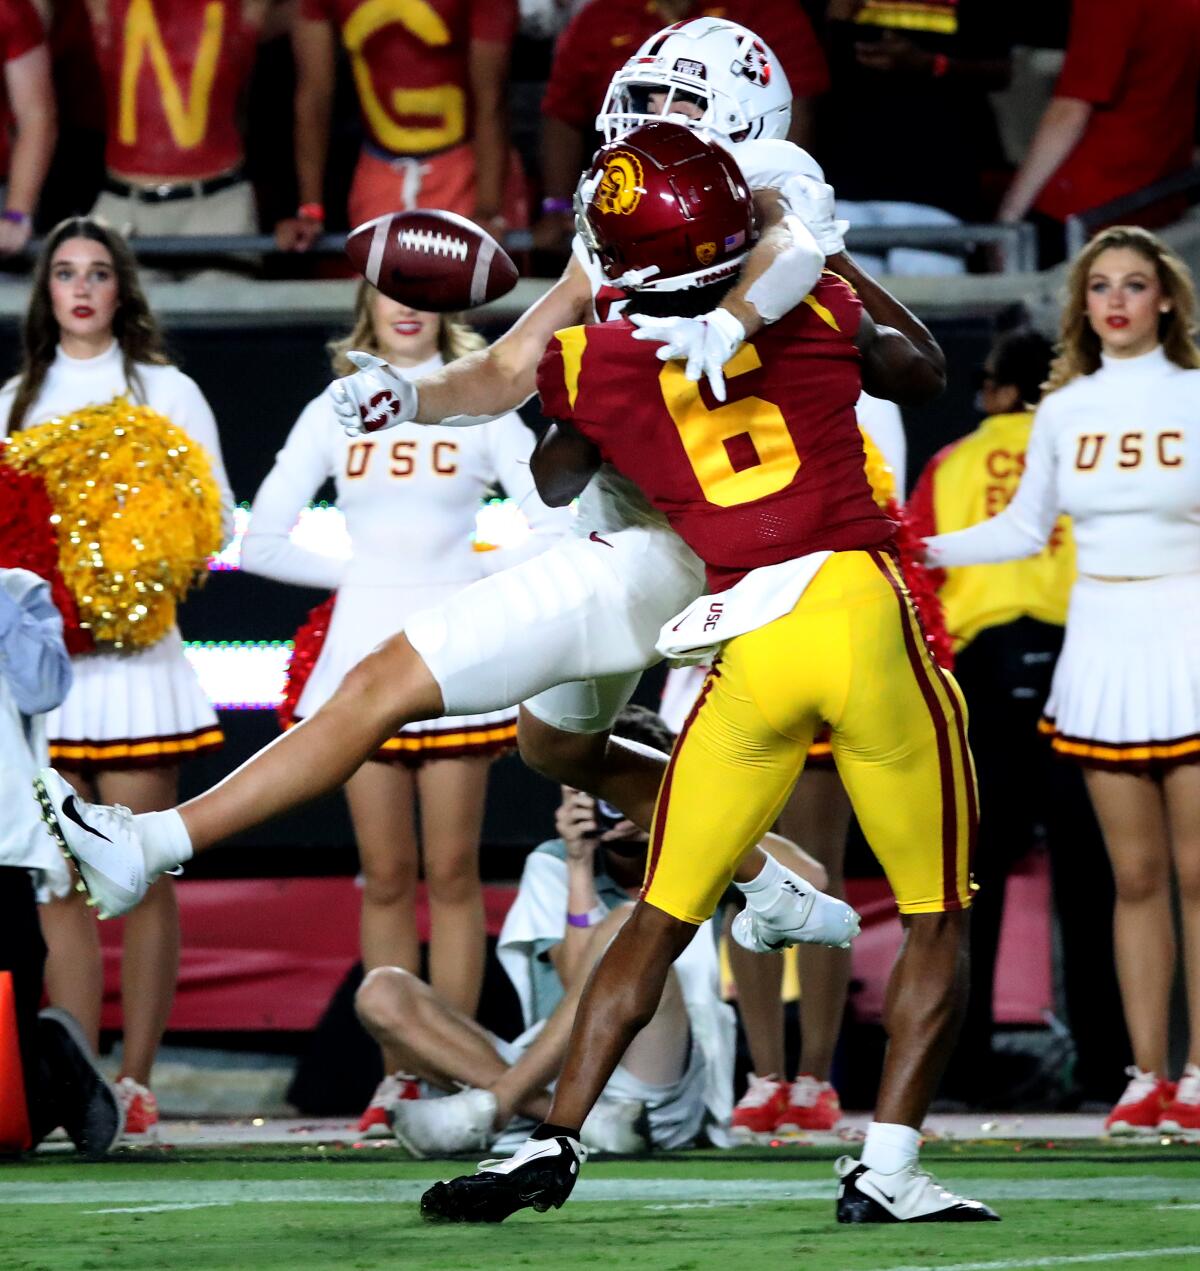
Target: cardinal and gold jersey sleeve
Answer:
pixel 559 372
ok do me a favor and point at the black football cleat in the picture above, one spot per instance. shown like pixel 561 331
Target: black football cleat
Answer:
pixel 539 1175
pixel 909 1195
pixel 84 1104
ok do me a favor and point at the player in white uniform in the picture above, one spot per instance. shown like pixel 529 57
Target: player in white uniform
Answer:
pixel 409 500
pixel 131 714
pixel 584 616
pixel 1116 446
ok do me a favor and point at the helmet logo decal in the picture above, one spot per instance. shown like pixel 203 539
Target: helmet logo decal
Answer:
pixel 620 189
pixel 706 253
pixel 754 65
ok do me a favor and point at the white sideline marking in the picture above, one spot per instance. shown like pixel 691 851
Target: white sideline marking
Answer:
pixel 1055 1260
pixel 629 1190
pixel 161 1209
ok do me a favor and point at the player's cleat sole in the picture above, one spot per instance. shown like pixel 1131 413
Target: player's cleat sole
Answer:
pixel 910 1195
pixel 539 1176
pixel 90 1111
pixel 100 841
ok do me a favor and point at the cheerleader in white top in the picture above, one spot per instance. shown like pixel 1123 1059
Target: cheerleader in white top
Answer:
pixel 1116 446
pixel 132 714
pixel 409 497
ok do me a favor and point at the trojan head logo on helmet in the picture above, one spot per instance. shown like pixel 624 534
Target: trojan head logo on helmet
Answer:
pixel 620 188
pixel 708 74
pixel 665 208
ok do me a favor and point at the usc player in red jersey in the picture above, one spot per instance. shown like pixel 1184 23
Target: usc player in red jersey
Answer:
pixel 811 625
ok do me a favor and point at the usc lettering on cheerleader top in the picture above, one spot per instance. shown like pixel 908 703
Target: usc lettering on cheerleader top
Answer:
pixel 410 63
pixel 774 473
pixel 1119 452
pixel 173 76
pixel 971 481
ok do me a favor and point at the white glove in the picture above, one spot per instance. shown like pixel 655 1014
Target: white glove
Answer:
pixel 373 398
pixel 707 342
pixel 814 203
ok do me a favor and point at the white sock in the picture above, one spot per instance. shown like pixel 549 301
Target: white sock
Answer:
pixel 164 839
pixel 890 1147
pixel 762 888
pixel 766 893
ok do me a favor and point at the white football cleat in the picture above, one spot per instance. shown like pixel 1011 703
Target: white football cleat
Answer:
pixel 461 1122
pixel 102 840
pixel 815 918
pixel 908 1195
pixel 617 1126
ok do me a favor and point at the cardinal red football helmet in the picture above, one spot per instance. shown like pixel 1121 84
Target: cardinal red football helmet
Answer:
pixel 664 208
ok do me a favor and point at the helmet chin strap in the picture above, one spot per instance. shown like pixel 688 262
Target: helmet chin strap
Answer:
pixel 633 278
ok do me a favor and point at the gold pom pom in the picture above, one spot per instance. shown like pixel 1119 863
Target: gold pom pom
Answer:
pixel 879 472
pixel 137 513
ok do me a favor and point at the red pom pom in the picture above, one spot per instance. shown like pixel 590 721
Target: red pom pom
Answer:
pixel 308 643
pixel 28 540
pixel 910 547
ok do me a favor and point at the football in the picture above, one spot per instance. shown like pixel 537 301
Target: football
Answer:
pixel 431 260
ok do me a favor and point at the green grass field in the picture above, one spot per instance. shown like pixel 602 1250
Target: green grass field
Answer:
pixel 1066 1206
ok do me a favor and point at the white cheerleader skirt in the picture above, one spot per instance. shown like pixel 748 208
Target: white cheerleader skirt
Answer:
pixel 363 617
pixel 1126 691
pixel 132 708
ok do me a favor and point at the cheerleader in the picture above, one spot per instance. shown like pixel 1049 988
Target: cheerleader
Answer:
pixel 131 714
pixel 409 498
pixel 1116 446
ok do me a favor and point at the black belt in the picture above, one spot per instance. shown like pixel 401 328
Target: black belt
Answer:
pixel 172 191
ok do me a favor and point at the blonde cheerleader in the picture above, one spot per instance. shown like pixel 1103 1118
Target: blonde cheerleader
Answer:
pixel 409 497
pixel 1116 446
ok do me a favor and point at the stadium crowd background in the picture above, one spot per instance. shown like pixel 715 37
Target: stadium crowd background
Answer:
pixel 294 119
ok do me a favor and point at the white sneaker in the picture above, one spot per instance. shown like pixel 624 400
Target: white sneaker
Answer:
pixel 814 918
pixel 909 1195
pixel 617 1126
pixel 461 1122
pixel 103 842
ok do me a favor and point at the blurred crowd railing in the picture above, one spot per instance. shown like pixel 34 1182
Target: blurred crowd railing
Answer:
pixel 1182 187
pixel 1016 244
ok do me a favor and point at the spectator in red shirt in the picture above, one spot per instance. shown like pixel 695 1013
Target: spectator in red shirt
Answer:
pixel 604 35
pixel 431 83
pixel 1123 112
pixel 26 108
pixel 173 78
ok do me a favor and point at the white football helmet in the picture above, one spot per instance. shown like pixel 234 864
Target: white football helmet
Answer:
pixel 718 66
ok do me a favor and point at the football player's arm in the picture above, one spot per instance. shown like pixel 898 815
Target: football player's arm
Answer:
pixel 780 269
pixel 504 376
pixel 902 362
pixel 563 463
pixel 474 389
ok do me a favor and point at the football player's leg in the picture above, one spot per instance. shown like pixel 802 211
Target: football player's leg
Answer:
pixel 902 753
pixel 389 688
pixel 729 775
pixel 901 750
pixel 566 734
pixel 562 615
